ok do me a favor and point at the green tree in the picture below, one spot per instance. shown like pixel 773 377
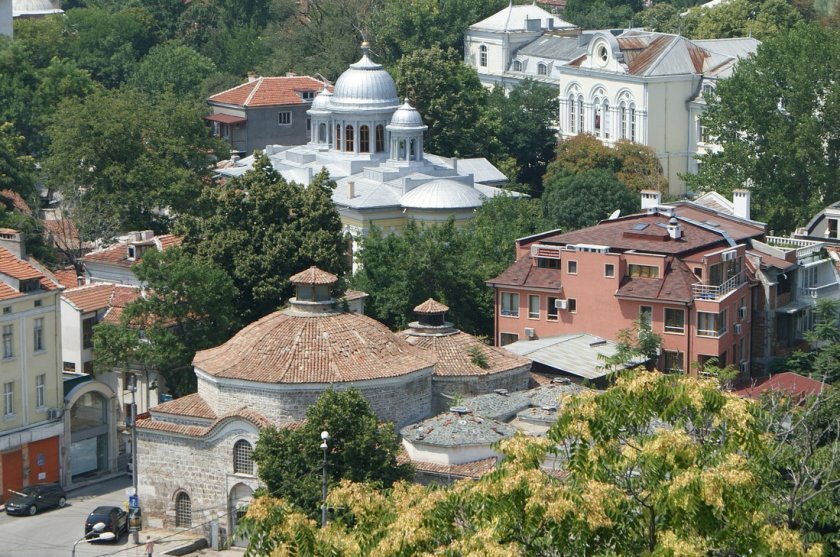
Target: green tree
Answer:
pixel 452 101
pixel 404 27
pixel 188 306
pixel 775 120
pixel 527 129
pixel 361 449
pixel 601 14
pixel 656 465
pixel 739 18
pixel 173 66
pixel 130 156
pixel 17 171
pixel 581 200
pixel 822 361
pixel 660 17
pixel 637 344
pixel 262 229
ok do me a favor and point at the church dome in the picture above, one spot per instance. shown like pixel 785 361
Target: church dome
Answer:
pixel 406 116
pixel 442 194
pixel 36 7
pixel 322 101
pixel 365 85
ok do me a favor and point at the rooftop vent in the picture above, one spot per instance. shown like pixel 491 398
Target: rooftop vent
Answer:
pixel 502 392
pixel 549 407
pixel 561 381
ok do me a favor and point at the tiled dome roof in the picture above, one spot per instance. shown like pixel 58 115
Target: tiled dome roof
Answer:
pixel 431 306
pixel 284 347
pixel 313 275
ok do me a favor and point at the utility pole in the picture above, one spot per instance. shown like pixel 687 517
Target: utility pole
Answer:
pixel 324 437
pixel 132 388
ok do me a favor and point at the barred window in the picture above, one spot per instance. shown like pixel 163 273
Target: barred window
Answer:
pixel 243 462
pixel 183 511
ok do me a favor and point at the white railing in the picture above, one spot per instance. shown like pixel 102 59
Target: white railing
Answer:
pixel 818 291
pixel 709 292
pixel 804 248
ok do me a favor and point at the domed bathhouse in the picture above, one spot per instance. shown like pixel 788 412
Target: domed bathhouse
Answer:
pixel 372 146
pixel 194 453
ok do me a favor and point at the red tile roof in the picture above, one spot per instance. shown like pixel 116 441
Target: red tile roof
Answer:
pixel 474 469
pixel 523 273
pixel 15 200
pixel 191 406
pixel 319 348
pixel 431 306
pixel 454 358
pixel 94 297
pixel 67 277
pixel 23 269
pixel 118 253
pixel 313 275
pixel 248 414
pixel 788 382
pixel 269 91
pixel 675 286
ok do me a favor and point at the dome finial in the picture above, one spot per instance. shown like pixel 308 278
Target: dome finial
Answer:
pixel 365 48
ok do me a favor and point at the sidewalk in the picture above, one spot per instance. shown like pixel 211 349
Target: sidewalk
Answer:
pixel 168 542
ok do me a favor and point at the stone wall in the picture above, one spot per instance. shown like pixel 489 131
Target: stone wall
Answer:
pixel 445 388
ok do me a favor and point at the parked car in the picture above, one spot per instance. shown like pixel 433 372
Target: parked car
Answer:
pixel 34 498
pixel 114 518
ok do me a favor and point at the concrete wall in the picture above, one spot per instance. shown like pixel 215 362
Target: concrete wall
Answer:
pixel 262 127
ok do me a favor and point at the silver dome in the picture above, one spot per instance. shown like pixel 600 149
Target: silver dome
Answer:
pixel 322 101
pixel 406 116
pixel 365 86
pixel 442 194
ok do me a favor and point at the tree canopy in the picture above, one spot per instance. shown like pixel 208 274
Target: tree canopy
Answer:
pixel 776 121
pixel 581 200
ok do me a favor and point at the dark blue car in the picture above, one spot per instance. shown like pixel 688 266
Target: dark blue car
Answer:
pixel 34 498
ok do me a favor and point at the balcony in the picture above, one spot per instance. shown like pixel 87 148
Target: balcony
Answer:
pixel 817 292
pixel 708 292
pixel 807 251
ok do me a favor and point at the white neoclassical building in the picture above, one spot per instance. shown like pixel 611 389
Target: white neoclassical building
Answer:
pixel 615 84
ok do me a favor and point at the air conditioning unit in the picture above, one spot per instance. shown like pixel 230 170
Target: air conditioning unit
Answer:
pixel 737 328
pixel 744 366
pixel 561 304
pixel 53 413
pixel 530 332
pixel 742 312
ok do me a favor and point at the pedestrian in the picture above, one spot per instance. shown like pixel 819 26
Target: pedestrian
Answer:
pixel 150 546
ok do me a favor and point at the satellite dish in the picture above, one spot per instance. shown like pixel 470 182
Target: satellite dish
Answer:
pixel 614 214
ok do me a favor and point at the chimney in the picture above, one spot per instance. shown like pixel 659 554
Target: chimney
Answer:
pixel 651 199
pixel 252 77
pixel 291 74
pixel 455 164
pixel 351 190
pixel 674 229
pixel 741 201
pixel 13 241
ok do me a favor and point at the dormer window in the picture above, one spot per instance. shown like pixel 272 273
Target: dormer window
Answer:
pixel 308 96
pixel 132 253
pixel 602 54
pixel 517 66
pixel 542 69
pixel 30 285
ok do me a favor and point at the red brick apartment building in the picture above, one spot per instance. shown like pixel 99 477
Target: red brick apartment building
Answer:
pixel 681 266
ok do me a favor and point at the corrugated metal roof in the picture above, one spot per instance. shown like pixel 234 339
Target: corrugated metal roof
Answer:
pixel 553 47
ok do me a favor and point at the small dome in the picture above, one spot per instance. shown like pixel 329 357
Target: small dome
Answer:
pixel 431 306
pixel 323 101
pixel 313 275
pixel 407 116
pixel 442 194
pixel 365 85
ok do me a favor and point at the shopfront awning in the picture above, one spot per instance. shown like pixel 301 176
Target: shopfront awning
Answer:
pixel 225 118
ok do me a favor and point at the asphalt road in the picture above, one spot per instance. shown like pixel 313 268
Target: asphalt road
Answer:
pixel 52 533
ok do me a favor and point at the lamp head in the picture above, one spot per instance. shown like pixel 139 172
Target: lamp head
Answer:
pixel 325 435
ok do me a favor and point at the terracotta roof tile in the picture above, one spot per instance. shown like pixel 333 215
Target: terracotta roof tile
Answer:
pixel 454 359
pixel 431 306
pixel 313 275
pixel 94 297
pixel 269 91
pixel 17 268
pixel 191 405
pixel 675 286
pixel 252 416
pixel 118 253
pixel 7 292
pixel 166 241
pixel 524 273
pixel 474 469
pixel 15 200
pixel 67 277
pixel 284 347
pixel 788 382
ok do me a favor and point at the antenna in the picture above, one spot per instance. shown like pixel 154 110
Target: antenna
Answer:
pixel 614 214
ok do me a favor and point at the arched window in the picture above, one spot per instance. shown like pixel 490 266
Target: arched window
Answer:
pixel 322 133
pixel 605 111
pixel 622 120
pixel 597 117
pixel 338 137
pixel 542 69
pixel 412 148
pixel 364 139
pixel 632 122
pixel 243 463
pixel 517 66
pixel 380 138
pixel 580 113
pixel 572 113
pixel 183 511
pixel 482 56
pixel 348 139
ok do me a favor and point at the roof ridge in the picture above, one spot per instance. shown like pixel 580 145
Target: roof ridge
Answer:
pixel 257 83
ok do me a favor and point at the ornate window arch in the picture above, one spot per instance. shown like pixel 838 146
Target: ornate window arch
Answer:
pixel 482 56
pixel 517 65
pixel 243 461
pixel 626 128
pixel 542 68
pixel 574 101
pixel 183 510
pixel 599 114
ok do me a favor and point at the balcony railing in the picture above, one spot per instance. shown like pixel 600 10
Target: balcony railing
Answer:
pixel 804 248
pixel 709 292
pixel 818 291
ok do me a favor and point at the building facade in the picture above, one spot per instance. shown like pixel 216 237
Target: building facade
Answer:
pixel 681 268
pixel 631 85
pixel 31 428
pixel 113 263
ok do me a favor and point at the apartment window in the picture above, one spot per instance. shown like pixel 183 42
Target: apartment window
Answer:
pixel 243 462
pixel 546 263
pixel 510 304
pixel 711 324
pixel 674 320
pixel 672 361
pixel 551 310
pixel 609 270
pixel 308 95
pixel 810 276
pixel 37 303
pixel 572 305
pixel 572 267
pixel 698 272
pixel 40 390
pixel 702 132
pixel 69 366
pixel 533 307
pixel 646 315
pixel 831 231
pixel 542 69
pixel 9 398
pixel 482 56
pixel 38 335
pixel 507 338
pixel 87 332
pixel 8 341
pixel 7 310
pixel 643 271
pixel 284 118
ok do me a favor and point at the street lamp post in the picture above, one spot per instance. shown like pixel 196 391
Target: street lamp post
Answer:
pixel 324 437
pixel 100 536
pixel 132 388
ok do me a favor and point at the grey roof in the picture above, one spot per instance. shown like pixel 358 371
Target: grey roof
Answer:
pixel 482 170
pixel 513 18
pixel 407 116
pixel 497 406
pixel 576 354
pixel 555 47
pixel 456 430
pixel 442 193
pixel 739 47
pixel 551 395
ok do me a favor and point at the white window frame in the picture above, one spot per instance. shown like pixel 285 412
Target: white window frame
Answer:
pixel 572 267
pixel 649 313
pixel 531 313
pixel 482 56
pixel 8 342
pixel 9 398
pixel 38 335
pixel 711 324
pixel 284 118
pixel 542 68
pixel 611 268
pixel 40 390
pixel 509 304
pixel 673 329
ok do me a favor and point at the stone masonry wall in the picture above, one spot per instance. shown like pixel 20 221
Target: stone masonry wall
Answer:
pixel 444 388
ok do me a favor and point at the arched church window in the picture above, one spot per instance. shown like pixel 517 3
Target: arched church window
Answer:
pixel 597 116
pixel 542 69
pixel 322 133
pixel 338 137
pixel 183 511
pixel 380 138
pixel 364 139
pixel 243 462
pixel 482 56
pixel 622 120
pixel 517 66
pixel 572 113
pixel 348 139
pixel 580 113
pixel 605 112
